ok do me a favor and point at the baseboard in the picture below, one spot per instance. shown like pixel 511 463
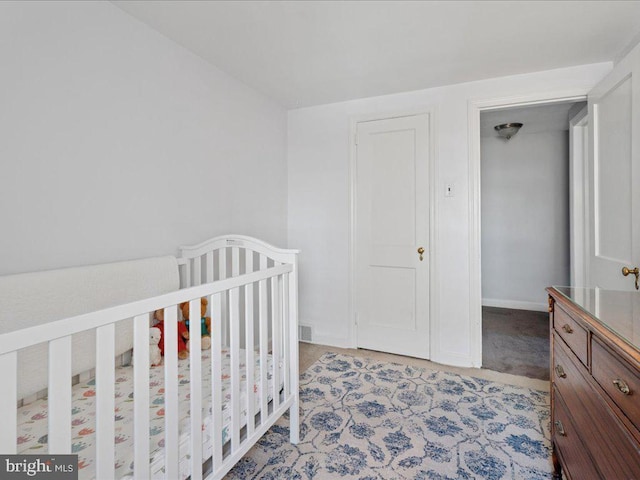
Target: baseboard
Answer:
pixel 515 304
pixel 330 341
pixel 445 358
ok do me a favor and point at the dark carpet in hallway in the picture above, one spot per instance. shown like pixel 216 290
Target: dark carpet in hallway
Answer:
pixel 516 342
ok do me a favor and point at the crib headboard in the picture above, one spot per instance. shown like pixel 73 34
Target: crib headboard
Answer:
pixel 32 299
pixel 229 256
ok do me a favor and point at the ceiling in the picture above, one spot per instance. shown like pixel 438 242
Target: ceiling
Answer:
pixel 535 119
pixel 304 53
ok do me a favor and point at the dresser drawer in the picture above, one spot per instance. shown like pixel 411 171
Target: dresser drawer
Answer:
pixel 571 332
pixel 620 382
pixel 609 443
pixel 575 456
pixel 565 373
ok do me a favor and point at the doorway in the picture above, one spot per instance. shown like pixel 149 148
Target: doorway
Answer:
pixel 525 232
pixel 391 234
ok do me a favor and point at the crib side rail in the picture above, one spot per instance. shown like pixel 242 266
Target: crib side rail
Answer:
pixel 19 339
pixel 58 335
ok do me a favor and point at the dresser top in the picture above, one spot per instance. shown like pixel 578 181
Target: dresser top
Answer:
pixel 617 311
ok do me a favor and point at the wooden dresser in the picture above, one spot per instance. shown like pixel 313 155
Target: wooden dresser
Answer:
pixel 595 383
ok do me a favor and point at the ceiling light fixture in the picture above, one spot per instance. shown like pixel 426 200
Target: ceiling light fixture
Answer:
pixel 508 130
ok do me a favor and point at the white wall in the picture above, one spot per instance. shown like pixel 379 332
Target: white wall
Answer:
pixel 525 217
pixel 117 143
pixel 319 205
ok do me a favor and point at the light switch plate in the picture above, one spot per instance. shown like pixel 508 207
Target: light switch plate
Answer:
pixel 448 190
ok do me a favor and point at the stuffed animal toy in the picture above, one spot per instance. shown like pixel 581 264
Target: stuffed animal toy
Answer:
pixel 205 322
pixel 155 356
pixel 183 335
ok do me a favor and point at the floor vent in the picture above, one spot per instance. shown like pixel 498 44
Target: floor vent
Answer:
pixel 304 333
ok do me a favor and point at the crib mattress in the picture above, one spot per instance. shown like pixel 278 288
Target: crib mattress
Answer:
pixel 33 424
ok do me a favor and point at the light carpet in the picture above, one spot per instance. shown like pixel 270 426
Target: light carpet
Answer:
pixel 364 419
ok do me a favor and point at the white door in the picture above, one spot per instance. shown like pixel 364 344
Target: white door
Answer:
pixel 392 224
pixel 614 176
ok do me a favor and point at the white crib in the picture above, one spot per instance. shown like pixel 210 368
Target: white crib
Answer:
pixel 252 291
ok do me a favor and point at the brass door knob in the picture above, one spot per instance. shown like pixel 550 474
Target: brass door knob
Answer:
pixel 635 271
pixel 420 252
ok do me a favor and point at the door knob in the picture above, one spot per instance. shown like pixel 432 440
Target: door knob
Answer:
pixel 420 252
pixel 626 271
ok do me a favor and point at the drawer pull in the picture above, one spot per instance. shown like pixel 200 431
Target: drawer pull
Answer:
pixel 622 386
pixel 560 428
pixel 567 328
pixel 560 372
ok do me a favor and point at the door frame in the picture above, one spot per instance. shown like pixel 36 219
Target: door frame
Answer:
pixel 579 197
pixel 474 108
pixel 431 166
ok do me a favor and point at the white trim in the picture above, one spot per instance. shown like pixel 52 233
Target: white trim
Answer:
pixel 431 112
pixel 580 118
pixel 578 196
pixel 330 341
pixel 595 131
pixel 515 304
pixel 475 238
pixel 352 341
pixel 434 284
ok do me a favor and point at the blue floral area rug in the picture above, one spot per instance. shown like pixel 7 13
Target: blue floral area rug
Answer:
pixel 363 420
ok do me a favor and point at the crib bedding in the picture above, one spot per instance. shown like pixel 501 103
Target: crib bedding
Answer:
pixel 33 424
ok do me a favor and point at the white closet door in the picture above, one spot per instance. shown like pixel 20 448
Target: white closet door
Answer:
pixel 614 176
pixel 392 223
